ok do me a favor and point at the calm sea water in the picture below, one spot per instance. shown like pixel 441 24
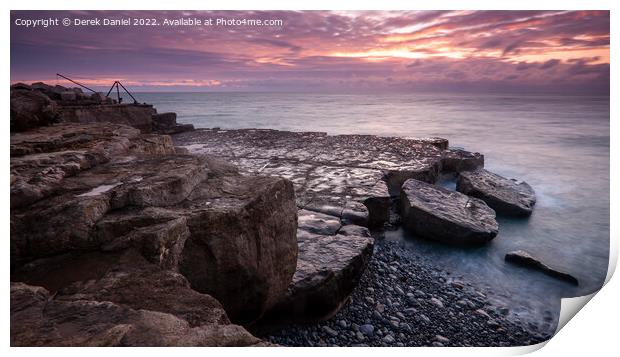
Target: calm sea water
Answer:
pixel 559 144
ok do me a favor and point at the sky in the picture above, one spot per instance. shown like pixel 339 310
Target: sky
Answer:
pixel 322 51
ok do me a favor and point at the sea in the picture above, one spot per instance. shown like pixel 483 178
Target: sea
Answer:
pixel 557 143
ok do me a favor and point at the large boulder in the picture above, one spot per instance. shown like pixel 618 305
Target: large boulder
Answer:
pixel 451 217
pixel 329 267
pixel 31 109
pixel 242 247
pixel 526 259
pixel 40 319
pixel 506 196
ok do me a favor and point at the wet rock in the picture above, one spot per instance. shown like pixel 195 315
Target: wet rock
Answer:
pixel 436 302
pixel 328 268
pixel 353 230
pixel 442 339
pixel 458 160
pixel 318 223
pixel 505 196
pixel 38 319
pixel 389 339
pixel 367 329
pixel 355 213
pixel 31 109
pixel 450 217
pixel 396 178
pixel 524 258
pixel 332 174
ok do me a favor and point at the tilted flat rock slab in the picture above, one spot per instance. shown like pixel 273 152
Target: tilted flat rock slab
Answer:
pixel 330 173
pixel 524 258
pixel 328 269
pixel 506 196
pixel 451 217
pixel 38 319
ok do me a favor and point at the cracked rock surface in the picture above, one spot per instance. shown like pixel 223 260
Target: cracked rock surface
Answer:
pixel 506 196
pixel 447 216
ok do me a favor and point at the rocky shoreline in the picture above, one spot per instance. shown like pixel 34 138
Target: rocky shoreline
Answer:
pixel 200 237
pixel 404 300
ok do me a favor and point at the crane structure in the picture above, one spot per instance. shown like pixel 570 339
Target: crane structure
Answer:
pixel 116 84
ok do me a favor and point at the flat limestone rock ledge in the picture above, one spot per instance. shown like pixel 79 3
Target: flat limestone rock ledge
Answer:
pixel 42 158
pixel 451 217
pixel 525 259
pixel 505 196
pixel 38 318
pixel 332 174
pixel 107 188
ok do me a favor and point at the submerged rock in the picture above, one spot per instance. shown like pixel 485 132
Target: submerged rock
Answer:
pixel 506 196
pixel 451 217
pixel 524 258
